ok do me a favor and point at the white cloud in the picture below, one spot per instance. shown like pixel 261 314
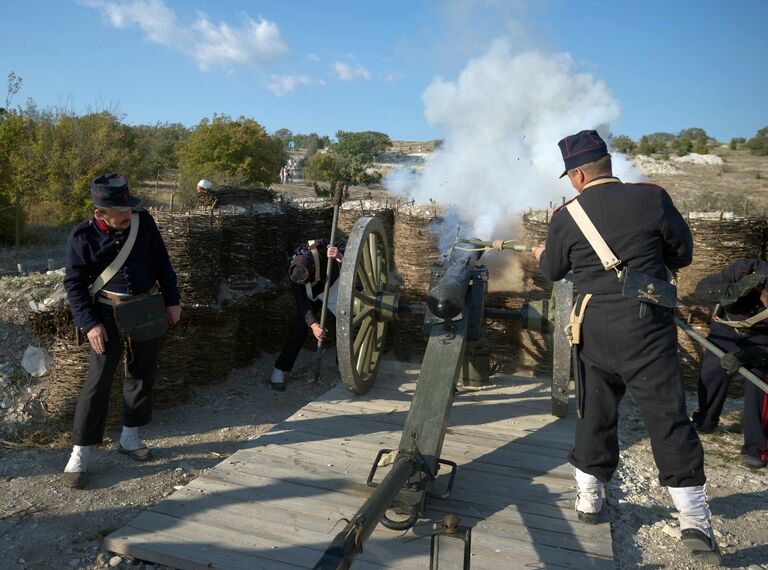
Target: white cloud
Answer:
pixel 255 43
pixel 313 57
pixel 347 72
pixel 282 84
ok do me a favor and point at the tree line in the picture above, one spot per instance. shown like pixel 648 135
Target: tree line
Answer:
pixel 687 141
pixel 50 156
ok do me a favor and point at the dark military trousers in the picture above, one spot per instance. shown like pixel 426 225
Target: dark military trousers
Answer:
pixel 623 351
pixel 296 337
pixel 91 411
pixel 713 389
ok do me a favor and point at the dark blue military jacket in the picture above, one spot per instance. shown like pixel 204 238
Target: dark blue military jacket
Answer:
pixel 303 302
pixel 639 223
pixel 91 247
pixel 712 287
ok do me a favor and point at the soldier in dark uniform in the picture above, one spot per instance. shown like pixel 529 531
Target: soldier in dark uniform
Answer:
pixel 91 247
pixel 741 289
pixel 307 271
pixel 626 344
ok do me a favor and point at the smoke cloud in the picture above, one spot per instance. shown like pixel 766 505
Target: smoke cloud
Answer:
pixel 500 121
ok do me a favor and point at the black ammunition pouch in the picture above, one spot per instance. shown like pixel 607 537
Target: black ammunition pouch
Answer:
pixel 142 319
pixel 647 289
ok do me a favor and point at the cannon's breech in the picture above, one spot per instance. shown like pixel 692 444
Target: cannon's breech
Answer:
pixel 446 299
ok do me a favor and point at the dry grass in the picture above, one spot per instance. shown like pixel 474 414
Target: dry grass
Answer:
pixel 740 184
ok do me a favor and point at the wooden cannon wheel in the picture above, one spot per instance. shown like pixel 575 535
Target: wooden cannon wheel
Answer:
pixel 365 304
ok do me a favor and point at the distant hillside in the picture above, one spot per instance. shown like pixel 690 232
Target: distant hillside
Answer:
pixel 407 147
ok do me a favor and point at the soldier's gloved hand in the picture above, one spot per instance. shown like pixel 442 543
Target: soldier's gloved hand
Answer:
pixel 97 337
pixel 751 357
pixel 734 291
pixel 730 363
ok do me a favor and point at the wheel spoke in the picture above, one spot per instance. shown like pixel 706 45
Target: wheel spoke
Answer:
pixel 375 260
pixel 362 315
pixel 360 337
pixel 367 351
pixel 367 264
pixel 365 300
pixel 365 280
pixel 363 348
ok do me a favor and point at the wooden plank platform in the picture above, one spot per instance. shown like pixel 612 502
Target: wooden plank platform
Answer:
pixel 274 505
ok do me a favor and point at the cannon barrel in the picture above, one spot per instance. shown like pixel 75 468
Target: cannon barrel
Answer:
pixel 446 299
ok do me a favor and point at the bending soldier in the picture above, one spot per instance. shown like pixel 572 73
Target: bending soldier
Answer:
pixel 739 327
pixel 628 338
pixel 115 262
pixel 307 271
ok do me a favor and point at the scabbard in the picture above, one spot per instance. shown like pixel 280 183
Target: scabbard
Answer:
pixel 578 380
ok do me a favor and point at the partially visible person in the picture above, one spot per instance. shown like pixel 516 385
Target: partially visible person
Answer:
pixel 307 272
pixel 740 328
pixel 96 284
pixel 203 185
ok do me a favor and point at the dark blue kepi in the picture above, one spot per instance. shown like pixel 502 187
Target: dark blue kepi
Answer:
pixel 582 148
pixel 111 191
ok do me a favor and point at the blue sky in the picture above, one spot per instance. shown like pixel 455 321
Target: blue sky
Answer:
pixel 359 65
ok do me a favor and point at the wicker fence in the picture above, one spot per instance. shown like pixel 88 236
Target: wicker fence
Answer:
pixel 230 262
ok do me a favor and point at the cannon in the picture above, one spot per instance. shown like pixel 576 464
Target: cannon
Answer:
pixel 453 316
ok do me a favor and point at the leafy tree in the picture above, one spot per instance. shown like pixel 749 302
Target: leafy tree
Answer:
pixel 364 145
pixel 700 145
pixel 157 147
pixel 284 134
pixel 355 152
pixel 759 143
pixel 226 149
pixel 694 134
pixel 683 145
pixel 65 153
pixel 663 137
pixel 737 142
pixel 624 144
pixel 320 167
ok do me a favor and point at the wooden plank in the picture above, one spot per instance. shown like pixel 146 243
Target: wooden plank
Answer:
pixel 177 553
pixel 512 540
pixel 355 457
pixel 258 475
pixel 325 478
pixel 296 521
pixel 204 541
pixel 335 427
pixel 514 429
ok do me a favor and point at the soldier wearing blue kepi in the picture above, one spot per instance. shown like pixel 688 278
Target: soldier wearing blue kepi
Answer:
pixel 620 240
pixel 122 292
pixel 739 327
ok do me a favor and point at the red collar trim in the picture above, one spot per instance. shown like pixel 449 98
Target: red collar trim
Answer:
pixel 101 225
